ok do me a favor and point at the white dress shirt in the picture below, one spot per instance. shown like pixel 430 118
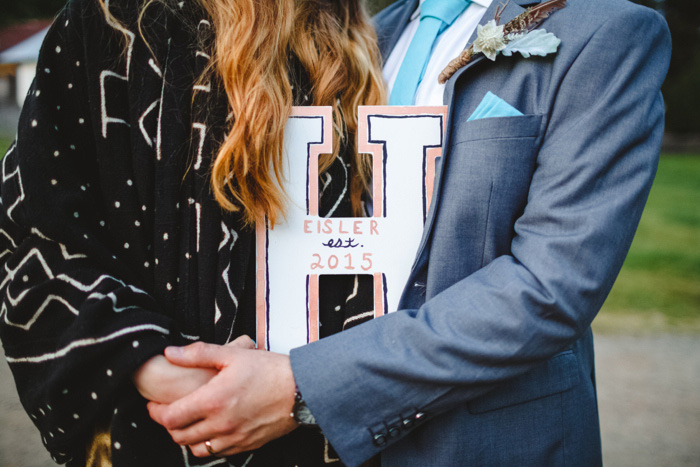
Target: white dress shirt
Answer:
pixel 450 44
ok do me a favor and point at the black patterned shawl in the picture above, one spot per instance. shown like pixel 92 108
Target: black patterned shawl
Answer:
pixel 112 245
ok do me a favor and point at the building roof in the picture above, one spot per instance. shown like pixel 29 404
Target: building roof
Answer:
pixel 13 35
pixel 26 50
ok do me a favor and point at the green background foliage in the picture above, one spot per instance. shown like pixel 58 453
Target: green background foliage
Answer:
pixel 659 285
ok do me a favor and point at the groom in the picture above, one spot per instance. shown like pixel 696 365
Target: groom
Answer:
pixel 489 360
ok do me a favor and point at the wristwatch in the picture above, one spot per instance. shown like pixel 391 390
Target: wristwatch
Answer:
pixel 301 413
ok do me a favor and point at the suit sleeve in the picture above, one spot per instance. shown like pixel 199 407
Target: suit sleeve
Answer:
pixel 593 174
pixel 75 320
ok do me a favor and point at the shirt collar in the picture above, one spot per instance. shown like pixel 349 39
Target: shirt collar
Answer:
pixel 483 3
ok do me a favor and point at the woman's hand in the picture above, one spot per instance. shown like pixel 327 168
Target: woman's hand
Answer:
pixel 247 404
pixel 160 381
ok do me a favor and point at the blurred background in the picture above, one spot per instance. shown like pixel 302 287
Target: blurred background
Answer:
pixel 648 333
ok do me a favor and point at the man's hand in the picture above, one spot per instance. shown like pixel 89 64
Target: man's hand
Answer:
pixel 247 404
pixel 160 381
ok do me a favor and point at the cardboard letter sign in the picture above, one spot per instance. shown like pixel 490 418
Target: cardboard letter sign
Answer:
pixel 404 143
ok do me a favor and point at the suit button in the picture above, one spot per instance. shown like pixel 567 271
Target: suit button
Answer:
pixel 394 431
pixel 407 423
pixel 419 416
pixel 379 439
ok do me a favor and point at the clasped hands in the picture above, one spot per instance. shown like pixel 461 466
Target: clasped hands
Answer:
pixel 234 397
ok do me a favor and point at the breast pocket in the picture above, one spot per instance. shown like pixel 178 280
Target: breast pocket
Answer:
pixel 501 150
pixel 497 128
pixel 486 179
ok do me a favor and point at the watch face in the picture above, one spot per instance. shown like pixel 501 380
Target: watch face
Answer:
pixel 303 415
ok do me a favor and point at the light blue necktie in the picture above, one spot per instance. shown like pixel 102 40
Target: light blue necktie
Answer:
pixel 435 17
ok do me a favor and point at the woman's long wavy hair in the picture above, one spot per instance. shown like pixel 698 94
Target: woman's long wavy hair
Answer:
pixel 335 43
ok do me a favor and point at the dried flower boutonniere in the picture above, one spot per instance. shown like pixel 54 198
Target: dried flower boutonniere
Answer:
pixel 518 35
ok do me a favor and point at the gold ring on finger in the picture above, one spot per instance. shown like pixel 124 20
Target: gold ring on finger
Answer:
pixel 207 444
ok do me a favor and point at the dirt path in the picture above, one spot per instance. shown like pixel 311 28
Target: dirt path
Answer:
pixel 648 388
pixel 649 393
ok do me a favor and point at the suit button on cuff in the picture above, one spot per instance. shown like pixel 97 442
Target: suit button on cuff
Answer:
pixel 380 440
pixel 394 432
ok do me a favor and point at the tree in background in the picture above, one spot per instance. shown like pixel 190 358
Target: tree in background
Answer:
pixel 682 86
pixel 377 5
pixel 16 11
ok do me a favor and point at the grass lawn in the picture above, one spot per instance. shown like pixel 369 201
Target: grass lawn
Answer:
pixel 659 285
pixel 4 146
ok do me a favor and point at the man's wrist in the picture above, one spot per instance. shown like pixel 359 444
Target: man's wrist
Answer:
pixel 301 412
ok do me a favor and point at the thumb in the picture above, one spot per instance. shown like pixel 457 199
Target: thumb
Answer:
pixel 197 355
pixel 243 342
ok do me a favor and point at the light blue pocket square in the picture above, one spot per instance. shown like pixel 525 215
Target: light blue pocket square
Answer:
pixel 493 106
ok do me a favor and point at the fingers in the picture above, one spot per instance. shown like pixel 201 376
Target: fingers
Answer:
pixel 222 447
pixel 232 451
pixel 202 431
pixel 243 342
pixel 198 355
pixel 249 400
pixel 158 412
pixel 183 412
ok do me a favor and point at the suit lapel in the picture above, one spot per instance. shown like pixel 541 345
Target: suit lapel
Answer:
pixel 512 9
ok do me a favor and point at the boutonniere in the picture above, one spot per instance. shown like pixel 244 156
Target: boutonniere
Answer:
pixel 518 35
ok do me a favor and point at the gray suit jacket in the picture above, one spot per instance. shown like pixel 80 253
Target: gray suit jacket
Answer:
pixel 490 359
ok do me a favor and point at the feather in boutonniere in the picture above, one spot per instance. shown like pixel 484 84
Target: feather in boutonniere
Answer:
pixel 515 36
